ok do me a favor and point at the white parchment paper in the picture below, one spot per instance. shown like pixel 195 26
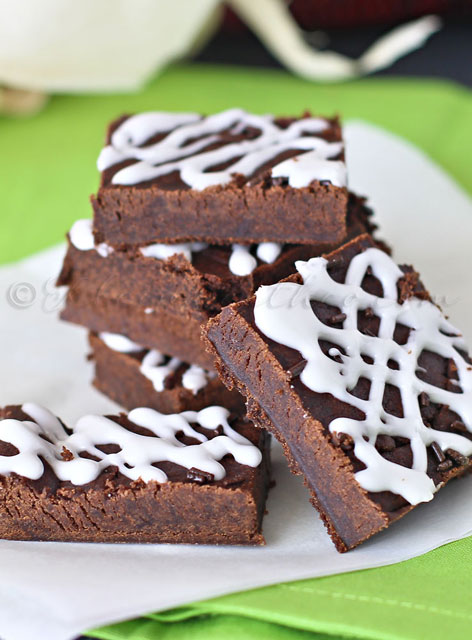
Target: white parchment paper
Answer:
pixel 53 591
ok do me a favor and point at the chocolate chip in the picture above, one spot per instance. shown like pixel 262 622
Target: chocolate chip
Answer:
pixel 424 399
pixel 336 261
pixel 280 182
pixel 197 475
pixel 384 443
pixel 295 369
pixel 438 452
pixel 337 318
pixel 457 457
pixel 451 368
pixel 369 312
pixel 458 425
pixel 452 385
pixel 444 466
pixel 428 414
pixel 343 440
pixel 219 431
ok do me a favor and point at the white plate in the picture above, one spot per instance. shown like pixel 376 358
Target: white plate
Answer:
pixel 54 591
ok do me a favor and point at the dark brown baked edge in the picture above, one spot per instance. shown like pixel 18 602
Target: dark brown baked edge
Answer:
pixel 130 216
pixel 114 509
pixel 118 376
pixel 329 478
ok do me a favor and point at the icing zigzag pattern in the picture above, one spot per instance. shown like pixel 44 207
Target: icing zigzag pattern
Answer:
pixel 183 149
pixel 284 314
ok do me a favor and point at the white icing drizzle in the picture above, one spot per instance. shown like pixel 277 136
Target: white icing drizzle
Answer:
pixel 81 236
pixel 196 378
pixel 50 425
pixel 283 313
pixel 164 251
pixel 300 170
pixel 138 452
pixel 175 153
pixel 243 263
pixel 268 251
pixel 156 366
pixel 120 343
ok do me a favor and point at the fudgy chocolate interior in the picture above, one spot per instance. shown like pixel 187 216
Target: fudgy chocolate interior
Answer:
pixel 432 368
pixel 172 181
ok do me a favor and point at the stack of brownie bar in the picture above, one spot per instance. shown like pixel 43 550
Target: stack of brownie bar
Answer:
pixel 226 258
pixel 191 215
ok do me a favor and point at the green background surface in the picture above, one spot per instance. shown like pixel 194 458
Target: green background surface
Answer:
pixel 47 170
pixel 47 165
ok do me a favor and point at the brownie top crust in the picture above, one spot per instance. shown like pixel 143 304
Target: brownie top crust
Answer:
pixel 181 151
pixel 144 446
pixel 363 333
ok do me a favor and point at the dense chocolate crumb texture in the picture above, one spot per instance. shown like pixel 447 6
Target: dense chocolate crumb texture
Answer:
pixel 376 362
pixel 119 455
pixel 173 177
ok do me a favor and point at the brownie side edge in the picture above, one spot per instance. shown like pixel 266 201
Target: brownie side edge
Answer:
pixel 130 216
pixel 244 362
pixel 167 331
pixel 112 508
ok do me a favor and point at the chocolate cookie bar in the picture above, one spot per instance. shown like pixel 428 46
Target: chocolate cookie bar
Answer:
pixel 136 377
pixel 363 380
pixel 194 477
pixel 160 295
pixel 232 177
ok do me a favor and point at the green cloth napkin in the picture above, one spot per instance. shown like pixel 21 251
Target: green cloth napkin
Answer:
pixel 48 169
pixel 427 597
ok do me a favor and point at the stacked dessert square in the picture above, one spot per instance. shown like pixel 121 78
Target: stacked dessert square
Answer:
pixel 187 282
pixel 190 216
